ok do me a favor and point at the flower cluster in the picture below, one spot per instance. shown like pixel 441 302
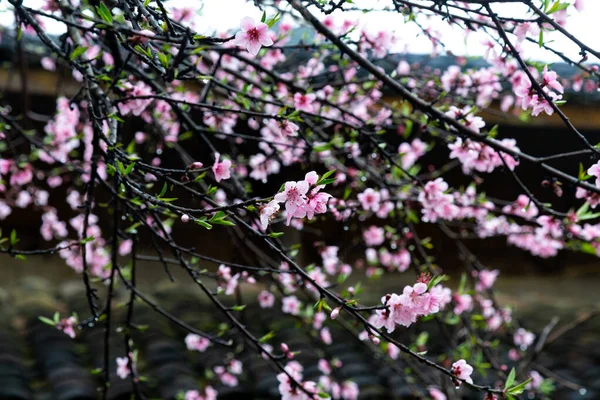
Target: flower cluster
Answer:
pixel 531 99
pixel 481 157
pixel 436 203
pixel 229 373
pixel 288 388
pixel 302 199
pixel 209 394
pixel 414 302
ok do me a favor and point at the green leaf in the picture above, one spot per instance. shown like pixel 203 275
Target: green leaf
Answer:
pixel 133 228
pixel 557 6
pixel 264 17
pixel 115 117
pixel 219 219
pixel 121 167
pixel 87 240
pixel 275 234
pixel 511 379
pixel 78 52
pixel 422 339
pixel 238 308
pixel 518 389
pixel 268 336
pixel 163 191
pixel 463 283
pixel 129 169
pixel 202 222
pixel 223 222
pixel 104 13
pixel 322 304
pixel 163 58
pixel 273 20
pixel 323 147
pixel 583 209
pixel 13 237
pixel 110 169
pixel 438 279
pixel 325 176
pixel 218 215
pixel 47 321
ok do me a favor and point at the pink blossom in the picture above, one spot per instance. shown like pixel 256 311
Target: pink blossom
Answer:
pixel 486 279
pixel 66 325
pixel 592 198
pixel 594 170
pixel 523 338
pixel 253 35
pixel 325 335
pixel 266 299
pixel 522 207
pixel 228 379
pixel 54 181
pixel 235 367
pixel 139 105
pixel 374 236
pixel 411 152
pixel 466 117
pixel 414 302
pixel 436 394
pixel 48 63
pixel 462 370
pixel 525 28
pixel 549 79
pixel 193 395
pixel 335 313
pixel 305 102
pixel 267 212
pixel 324 366
pixel 536 380
pixel 349 390
pixel 291 305
pixel 5 210
pixel 464 302
pixel 294 196
pixel 513 355
pixel 196 342
pixel 23 199
pixel 125 247
pixel 221 169
pixel 370 200
pixel 436 204
pixel 183 14
pixel 123 370
pixel 403 68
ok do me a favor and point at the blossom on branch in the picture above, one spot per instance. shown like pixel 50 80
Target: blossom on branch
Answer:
pixel 253 35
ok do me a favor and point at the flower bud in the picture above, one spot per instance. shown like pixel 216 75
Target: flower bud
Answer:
pixel 185 218
pixel 335 313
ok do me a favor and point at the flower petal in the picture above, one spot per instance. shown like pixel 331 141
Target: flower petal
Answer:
pixel 247 23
